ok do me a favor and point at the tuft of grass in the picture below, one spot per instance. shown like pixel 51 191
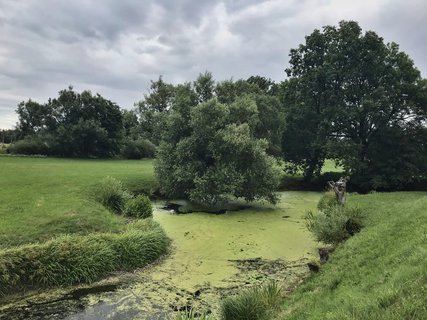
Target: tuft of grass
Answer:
pixel 72 259
pixel 380 273
pixel 139 207
pixel 258 303
pixel 111 194
pixel 190 315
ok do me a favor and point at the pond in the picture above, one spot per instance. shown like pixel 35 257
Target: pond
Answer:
pixel 212 256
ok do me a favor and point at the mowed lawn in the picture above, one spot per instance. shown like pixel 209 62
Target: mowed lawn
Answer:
pixel 41 198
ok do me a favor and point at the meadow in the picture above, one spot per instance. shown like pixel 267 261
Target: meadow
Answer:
pixel 42 198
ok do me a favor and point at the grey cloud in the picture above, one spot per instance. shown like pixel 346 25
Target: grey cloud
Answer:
pixel 116 47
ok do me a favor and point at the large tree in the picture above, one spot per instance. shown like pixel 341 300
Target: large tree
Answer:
pixel 210 154
pixel 348 90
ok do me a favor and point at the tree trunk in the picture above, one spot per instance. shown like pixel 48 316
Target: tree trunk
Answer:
pixel 340 188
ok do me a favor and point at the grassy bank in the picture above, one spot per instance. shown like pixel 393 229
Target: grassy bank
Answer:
pixel 45 197
pixel 381 273
pixel 73 259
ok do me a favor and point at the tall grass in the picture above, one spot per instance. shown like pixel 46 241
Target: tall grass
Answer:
pixel 258 303
pixel 190 315
pixel 72 259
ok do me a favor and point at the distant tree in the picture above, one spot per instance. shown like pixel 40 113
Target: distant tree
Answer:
pixel 74 124
pixel 347 91
pixel 153 108
pixel 131 124
pixel 204 86
pixel 34 117
pixel 266 85
pixel 217 157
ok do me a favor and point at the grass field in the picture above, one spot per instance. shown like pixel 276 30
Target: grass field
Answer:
pixel 44 197
pixel 381 273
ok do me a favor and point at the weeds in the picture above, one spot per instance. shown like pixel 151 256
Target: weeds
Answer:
pixel 258 303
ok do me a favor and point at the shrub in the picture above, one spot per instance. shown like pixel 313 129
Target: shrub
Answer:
pixel 138 149
pixel 31 146
pixel 111 194
pixel 72 259
pixel 335 223
pixel 255 304
pixel 139 207
pixel 328 200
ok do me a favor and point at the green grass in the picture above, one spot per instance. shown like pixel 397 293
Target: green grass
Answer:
pixel 72 259
pixel 41 198
pixel 257 303
pixel 380 273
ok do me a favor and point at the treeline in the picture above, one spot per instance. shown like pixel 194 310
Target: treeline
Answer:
pixel 349 97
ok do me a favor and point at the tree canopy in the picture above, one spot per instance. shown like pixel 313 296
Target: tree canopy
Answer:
pixel 352 97
pixel 209 154
pixel 73 124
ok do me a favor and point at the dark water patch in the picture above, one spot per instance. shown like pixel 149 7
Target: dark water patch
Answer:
pixel 179 208
pixel 57 308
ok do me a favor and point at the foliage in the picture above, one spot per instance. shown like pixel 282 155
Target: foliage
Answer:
pixel 153 109
pixel 254 304
pixel 81 124
pixel 139 207
pixel 111 194
pixel 138 149
pixel 72 259
pixel 327 201
pixel 32 146
pixel 217 156
pixel 379 274
pixel 334 223
pixel 354 98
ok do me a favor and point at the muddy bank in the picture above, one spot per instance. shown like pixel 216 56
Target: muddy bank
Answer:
pixel 213 256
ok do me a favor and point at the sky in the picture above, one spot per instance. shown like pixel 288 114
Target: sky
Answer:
pixel 115 47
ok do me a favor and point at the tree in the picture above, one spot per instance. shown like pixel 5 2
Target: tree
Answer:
pixel 34 117
pixel 74 124
pixel 347 90
pixel 217 157
pixel 152 110
pixel 204 86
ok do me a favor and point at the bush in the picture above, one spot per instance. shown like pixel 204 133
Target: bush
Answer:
pixel 111 194
pixel 31 146
pixel 72 259
pixel 139 207
pixel 328 200
pixel 255 304
pixel 138 149
pixel 335 223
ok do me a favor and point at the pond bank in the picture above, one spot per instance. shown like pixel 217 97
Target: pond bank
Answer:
pixel 213 256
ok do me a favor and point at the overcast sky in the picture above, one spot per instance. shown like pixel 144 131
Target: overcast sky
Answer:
pixel 114 47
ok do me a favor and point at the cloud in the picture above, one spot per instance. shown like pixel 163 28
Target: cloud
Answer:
pixel 116 47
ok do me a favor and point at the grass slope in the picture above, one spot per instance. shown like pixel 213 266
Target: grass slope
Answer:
pixel 381 273
pixel 45 197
